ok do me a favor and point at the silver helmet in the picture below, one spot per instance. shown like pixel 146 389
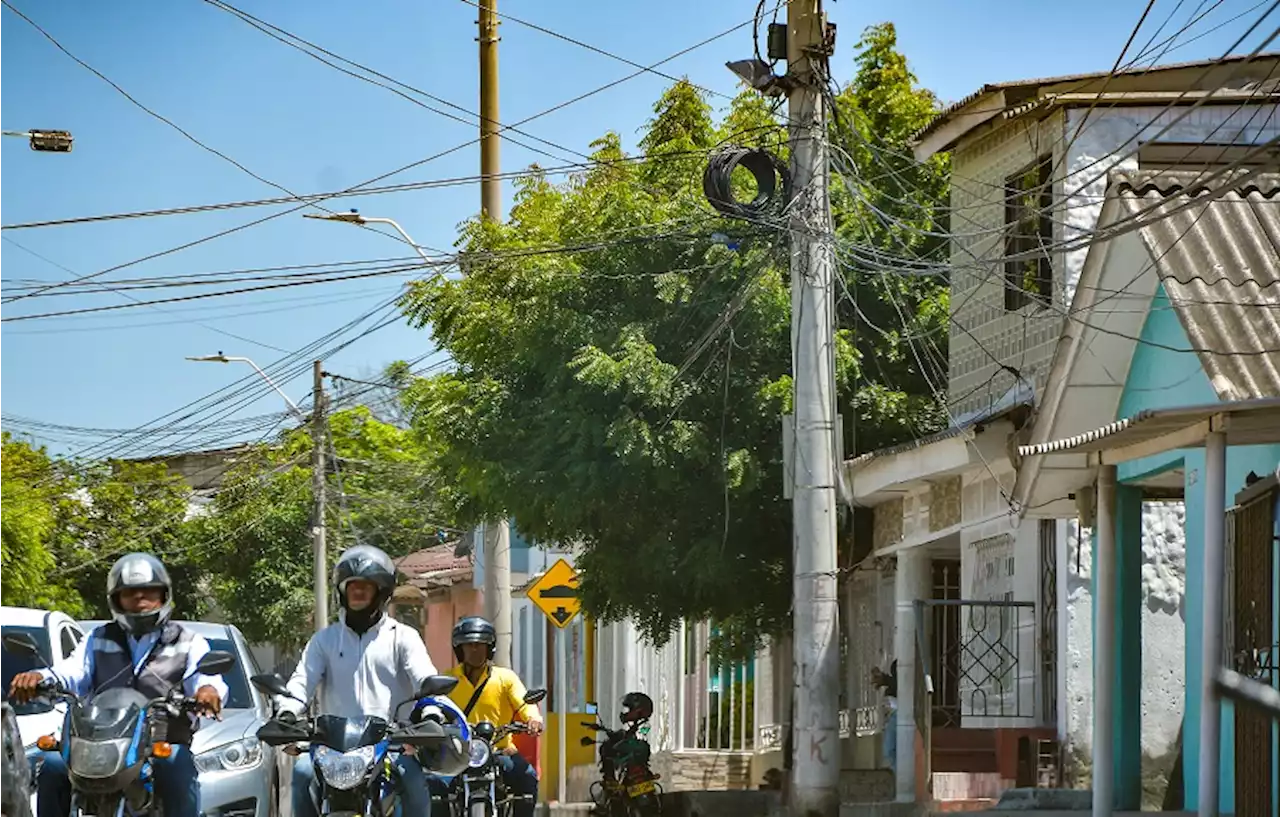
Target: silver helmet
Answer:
pixel 139 571
pixel 367 563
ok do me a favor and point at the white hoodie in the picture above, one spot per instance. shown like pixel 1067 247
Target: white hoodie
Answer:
pixel 361 675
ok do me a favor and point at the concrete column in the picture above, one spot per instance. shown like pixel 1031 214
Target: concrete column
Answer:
pixel 1104 645
pixel 1215 504
pixel 910 576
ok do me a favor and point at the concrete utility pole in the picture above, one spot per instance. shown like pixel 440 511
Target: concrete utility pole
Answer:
pixel 318 438
pixel 497 586
pixel 816 740
pixel 497 535
pixel 490 165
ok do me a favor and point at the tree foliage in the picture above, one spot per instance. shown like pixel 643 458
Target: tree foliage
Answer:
pixel 124 507
pixel 622 356
pixel 32 486
pixel 64 526
pixel 256 539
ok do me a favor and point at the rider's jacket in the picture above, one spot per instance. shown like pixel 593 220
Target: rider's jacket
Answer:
pixel 160 661
pixel 501 698
pixel 360 674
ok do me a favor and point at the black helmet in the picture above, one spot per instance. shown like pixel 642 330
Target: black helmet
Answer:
pixel 369 564
pixel 474 630
pixel 636 707
pixel 139 571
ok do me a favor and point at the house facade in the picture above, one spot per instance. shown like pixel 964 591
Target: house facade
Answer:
pixel 1182 312
pixel 990 618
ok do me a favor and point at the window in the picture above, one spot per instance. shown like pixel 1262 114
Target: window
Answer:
pixel 1028 219
pixel 70 638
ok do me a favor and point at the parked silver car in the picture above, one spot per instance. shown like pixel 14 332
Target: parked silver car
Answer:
pixel 239 775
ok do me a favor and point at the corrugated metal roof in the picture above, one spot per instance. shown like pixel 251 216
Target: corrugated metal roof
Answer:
pixel 1019 408
pixel 1220 265
pixel 946 113
pixel 1261 425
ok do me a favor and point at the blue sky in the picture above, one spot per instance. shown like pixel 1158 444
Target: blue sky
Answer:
pixel 309 128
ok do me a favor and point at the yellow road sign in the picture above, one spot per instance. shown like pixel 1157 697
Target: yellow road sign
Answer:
pixel 555 593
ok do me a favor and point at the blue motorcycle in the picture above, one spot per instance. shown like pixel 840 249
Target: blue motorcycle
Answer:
pixel 109 739
pixel 354 758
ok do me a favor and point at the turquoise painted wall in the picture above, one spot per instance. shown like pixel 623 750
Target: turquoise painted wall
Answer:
pixel 1162 378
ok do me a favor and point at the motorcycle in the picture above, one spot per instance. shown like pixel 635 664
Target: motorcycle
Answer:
pixel 354 758
pixel 110 739
pixel 479 791
pixel 627 786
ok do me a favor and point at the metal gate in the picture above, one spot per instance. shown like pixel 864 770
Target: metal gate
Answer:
pixel 1253 640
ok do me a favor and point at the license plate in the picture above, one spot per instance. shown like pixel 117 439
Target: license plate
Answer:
pixel 647 787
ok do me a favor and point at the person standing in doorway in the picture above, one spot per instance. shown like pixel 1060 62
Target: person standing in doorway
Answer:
pixel 889 682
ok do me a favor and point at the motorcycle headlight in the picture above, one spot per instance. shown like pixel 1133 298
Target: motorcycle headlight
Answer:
pixel 479 753
pixel 342 770
pixel 232 757
pixel 97 758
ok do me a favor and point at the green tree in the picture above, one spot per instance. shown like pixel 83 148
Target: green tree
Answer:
pixel 30 485
pixel 122 507
pixel 255 541
pixel 622 366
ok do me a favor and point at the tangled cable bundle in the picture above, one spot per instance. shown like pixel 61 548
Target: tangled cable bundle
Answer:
pixel 773 182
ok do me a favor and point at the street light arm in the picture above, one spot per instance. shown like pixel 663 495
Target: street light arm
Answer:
pixel 221 358
pixel 362 221
pixel 408 238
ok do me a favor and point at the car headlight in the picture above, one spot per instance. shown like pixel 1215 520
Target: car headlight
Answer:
pixel 479 753
pixel 346 770
pixel 232 757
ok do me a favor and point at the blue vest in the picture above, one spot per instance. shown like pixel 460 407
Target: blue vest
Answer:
pixel 164 669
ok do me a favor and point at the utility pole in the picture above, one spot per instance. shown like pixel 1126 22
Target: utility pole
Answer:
pixel 318 438
pixel 490 165
pixel 814 790
pixel 497 586
pixel 497 536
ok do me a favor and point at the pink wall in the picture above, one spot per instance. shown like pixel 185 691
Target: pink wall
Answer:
pixel 442 615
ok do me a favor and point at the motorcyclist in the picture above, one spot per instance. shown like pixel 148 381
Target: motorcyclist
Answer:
pixel 495 694
pixel 140 648
pixel 362 666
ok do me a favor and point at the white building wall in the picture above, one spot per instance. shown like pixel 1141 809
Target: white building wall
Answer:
pixel 1163 632
pixel 1109 140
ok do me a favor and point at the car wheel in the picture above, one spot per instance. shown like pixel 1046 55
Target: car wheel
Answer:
pixel 14 768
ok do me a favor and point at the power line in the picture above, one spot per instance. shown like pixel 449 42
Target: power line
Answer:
pixel 397 171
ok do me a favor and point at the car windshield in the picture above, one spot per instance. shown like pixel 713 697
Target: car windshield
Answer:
pixel 237 681
pixel 15 663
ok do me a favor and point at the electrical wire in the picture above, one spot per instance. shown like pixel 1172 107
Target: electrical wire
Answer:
pixel 397 171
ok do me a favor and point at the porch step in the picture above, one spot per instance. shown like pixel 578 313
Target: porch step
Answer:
pixel 953 806
pixel 965 750
pixel 866 785
pixel 965 786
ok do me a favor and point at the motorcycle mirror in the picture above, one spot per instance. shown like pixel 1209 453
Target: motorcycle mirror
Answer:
pixel 592 708
pixel 588 742
pixel 533 696
pixel 272 684
pixel 437 685
pixel 216 662
pixel 19 644
pixel 485 730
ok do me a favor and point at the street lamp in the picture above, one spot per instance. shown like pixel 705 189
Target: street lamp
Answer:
pixel 354 217
pixel 221 358
pixel 45 141
pixel 319 577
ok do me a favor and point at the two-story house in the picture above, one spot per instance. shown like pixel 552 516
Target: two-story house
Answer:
pixel 983 601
